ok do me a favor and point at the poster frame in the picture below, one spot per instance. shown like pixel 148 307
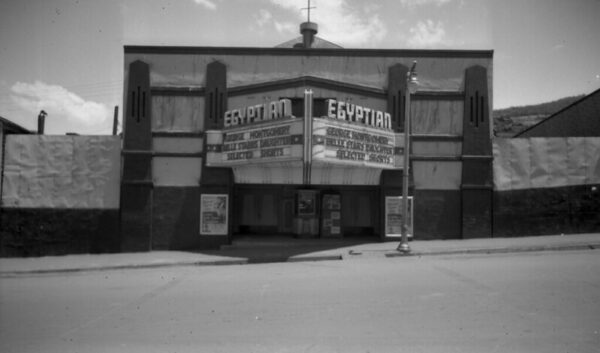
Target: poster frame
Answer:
pixel 396 231
pixel 207 205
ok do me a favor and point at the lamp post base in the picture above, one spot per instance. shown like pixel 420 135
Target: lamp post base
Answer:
pixel 404 248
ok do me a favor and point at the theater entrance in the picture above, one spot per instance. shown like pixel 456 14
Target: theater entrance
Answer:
pixel 334 212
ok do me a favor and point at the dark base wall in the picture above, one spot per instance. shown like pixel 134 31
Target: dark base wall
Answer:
pixel 175 218
pixel 437 214
pixel 40 232
pixel 574 209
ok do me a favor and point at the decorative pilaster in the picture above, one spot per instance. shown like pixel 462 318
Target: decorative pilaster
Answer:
pixel 215 180
pixel 476 188
pixel 136 182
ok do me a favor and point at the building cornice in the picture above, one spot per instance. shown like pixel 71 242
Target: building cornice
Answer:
pixel 412 53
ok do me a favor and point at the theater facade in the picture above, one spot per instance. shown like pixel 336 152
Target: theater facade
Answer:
pixel 305 140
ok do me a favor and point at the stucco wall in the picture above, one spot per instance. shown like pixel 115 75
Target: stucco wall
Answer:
pixel 72 172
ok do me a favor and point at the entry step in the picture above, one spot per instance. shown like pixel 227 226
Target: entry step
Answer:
pixel 290 241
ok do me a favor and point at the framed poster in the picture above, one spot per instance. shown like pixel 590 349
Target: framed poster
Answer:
pixel 307 202
pixel 393 216
pixel 213 214
pixel 331 216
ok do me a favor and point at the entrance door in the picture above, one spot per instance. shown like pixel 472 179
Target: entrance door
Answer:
pixel 257 210
pixel 359 210
pixel 264 210
pixel 286 217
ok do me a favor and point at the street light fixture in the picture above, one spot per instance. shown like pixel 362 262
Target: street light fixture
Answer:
pixel 411 85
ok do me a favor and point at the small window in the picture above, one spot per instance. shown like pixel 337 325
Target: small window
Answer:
pixel 319 106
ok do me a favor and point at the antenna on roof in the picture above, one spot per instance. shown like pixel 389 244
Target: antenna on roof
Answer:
pixel 308 10
pixel 308 29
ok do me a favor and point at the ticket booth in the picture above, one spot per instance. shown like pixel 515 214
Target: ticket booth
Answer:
pixel 307 214
pixel 331 215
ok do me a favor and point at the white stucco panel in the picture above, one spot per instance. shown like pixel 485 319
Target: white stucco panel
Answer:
pixel 44 171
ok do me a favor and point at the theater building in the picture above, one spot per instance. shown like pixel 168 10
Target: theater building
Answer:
pixel 304 139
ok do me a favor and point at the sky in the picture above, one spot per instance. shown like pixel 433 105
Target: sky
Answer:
pixel 66 56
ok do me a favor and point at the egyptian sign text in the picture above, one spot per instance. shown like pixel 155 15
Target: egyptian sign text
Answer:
pixel 358 114
pixel 260 112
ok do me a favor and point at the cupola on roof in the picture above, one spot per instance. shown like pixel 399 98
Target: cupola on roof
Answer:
pixel 309 39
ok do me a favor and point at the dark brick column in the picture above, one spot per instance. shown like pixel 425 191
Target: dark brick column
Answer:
pixel 215 101
pixel 476 188
pixel 216 180
pixel 136 181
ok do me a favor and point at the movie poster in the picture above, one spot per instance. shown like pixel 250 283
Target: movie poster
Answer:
pixel 213 214
pixel 307 202
pixel 393 216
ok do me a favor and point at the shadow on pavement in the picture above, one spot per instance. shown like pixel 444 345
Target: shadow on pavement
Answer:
pixel 265 249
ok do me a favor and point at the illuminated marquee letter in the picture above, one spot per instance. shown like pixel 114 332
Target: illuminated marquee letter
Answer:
pixel 360 114
pixel 273 107
pixel 242 116
pixel 350 108
pixel 379 119
pixel 331 108
pixel 286 107
pixel 387 121
pixel 250 114
pixel 227 119
pixel 368 116
pixel 341 110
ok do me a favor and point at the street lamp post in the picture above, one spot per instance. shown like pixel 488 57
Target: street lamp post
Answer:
pixel 411 85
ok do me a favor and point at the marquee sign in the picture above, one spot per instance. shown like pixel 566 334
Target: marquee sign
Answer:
pixel 342 143
pixel 350 136
pixel 273 142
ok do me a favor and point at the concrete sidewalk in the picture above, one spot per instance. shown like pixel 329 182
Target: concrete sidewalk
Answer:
pixel 284 252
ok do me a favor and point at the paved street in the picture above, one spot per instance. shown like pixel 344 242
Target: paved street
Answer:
pixel 524 302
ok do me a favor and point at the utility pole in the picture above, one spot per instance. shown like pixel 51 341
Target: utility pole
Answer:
pixel 411 85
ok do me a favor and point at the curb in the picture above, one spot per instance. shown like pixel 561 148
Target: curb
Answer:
pixel 293 259
pixel 93 269
pixel 226 262
pixel 498 250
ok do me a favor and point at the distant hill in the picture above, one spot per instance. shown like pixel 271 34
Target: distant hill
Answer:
pixel 510 121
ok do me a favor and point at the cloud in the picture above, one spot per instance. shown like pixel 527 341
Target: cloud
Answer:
pixel 264 17
pixel 209 4
pixel 285 27
pixel 342 23
pixel 414 3
pixel 427 34
pixel 58 102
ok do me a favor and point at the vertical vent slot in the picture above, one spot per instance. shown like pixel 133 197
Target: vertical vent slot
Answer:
pixel 471 111
pixel 476 117
pixel 133 104
pixel 395 111
pixel 211 106
pixel 481 106
pixel 216 106
pixel 137 116
pixel 221 108
pixel 143 104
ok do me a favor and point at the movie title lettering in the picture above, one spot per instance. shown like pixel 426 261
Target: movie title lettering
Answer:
pixel 359 146
pixel 358 114
pixel 269 142
pixel 260 112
